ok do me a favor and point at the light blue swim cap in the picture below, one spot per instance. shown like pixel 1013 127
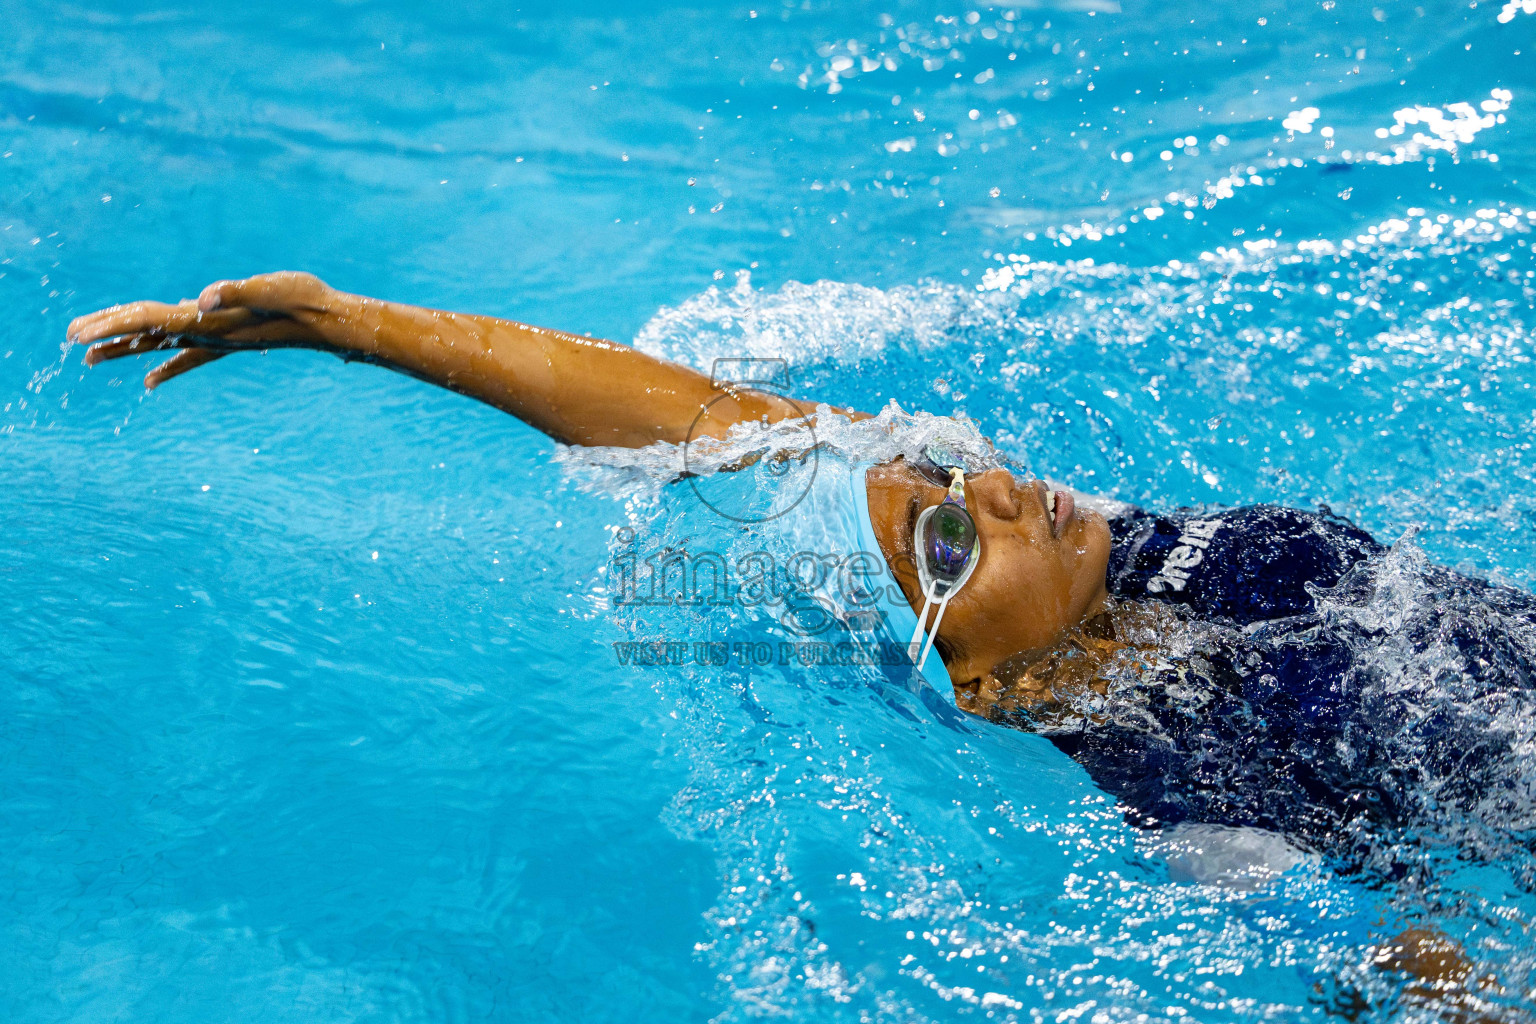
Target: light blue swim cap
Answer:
pixel 847 605
pixel 895 617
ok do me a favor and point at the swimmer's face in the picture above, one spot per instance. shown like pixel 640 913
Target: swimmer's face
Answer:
pixel 1035 579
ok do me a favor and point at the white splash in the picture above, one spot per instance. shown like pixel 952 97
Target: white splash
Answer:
pixel 1444 129
pixel 805 323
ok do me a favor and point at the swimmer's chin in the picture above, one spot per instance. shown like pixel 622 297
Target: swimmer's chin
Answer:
pixel 1087 529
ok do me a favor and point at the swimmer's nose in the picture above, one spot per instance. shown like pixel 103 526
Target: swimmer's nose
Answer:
pixel 995 493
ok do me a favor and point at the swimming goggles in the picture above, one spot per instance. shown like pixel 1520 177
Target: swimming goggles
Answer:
pixel 947 549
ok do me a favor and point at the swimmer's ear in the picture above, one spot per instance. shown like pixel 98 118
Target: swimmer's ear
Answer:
pixel 974 695
pixel 1013 668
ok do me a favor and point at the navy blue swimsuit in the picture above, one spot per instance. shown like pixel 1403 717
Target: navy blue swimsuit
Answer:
pixel 1279 720
pixel 1243 565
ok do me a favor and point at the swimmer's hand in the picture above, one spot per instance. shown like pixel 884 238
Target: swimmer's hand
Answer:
pixel 1442 978
pixel 576 389
pixel 282 310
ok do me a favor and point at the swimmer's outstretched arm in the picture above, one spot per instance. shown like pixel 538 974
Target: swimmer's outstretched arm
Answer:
pixel 575 389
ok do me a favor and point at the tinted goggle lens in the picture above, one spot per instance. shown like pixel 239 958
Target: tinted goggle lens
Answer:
pixel 949 538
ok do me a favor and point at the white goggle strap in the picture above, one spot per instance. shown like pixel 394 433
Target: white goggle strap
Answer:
pixel 957 494
pixel 922 616
pixel 934 632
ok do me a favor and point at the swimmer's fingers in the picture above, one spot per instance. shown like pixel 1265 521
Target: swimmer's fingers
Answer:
pixel 282 291
pixel 254 336
pixel 181 362
pixel 189 358
pixel 157 341
pixel 134 344
pixel 197 349
pixel 137 317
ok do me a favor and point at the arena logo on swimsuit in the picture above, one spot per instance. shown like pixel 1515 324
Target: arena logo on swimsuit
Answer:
pixel 1190 553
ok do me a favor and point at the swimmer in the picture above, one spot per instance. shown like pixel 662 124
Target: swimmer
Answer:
pixel 582 391
pixel 1024 594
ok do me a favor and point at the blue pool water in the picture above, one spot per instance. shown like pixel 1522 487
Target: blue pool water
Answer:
pixel 311 709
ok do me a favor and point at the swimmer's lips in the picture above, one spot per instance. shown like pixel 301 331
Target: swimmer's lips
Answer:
pixel 1059 507
pixel 1066 507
